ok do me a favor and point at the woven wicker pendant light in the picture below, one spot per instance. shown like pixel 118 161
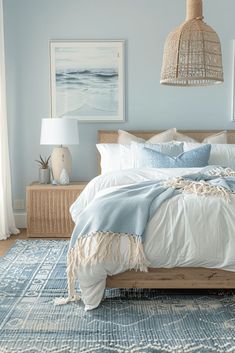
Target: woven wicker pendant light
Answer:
pixel 192 53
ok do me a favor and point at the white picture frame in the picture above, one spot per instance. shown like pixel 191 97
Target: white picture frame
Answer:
pixel 87 80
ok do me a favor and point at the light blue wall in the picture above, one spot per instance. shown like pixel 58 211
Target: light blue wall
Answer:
pixel 144 24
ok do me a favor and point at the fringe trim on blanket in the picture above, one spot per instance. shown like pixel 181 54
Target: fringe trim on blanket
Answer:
pixel 221 172
pixel 98 248
pixel 198 187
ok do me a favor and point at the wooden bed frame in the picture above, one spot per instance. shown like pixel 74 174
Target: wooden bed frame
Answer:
pixel 176 277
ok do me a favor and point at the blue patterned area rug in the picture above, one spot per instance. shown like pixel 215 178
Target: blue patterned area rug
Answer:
pixel 32 274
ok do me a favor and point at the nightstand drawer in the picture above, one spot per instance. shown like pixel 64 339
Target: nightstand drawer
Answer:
pixel 48 209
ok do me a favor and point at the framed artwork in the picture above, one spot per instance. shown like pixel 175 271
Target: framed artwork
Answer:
pixel 87 80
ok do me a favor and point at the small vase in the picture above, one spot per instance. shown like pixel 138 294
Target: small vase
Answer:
pixel 44 176
pixel 64 177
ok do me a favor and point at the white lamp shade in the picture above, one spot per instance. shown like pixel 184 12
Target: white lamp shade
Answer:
pixel 59 131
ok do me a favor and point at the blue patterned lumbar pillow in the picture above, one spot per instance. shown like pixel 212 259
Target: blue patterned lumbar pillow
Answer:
pixel 172 149
pixel 196 158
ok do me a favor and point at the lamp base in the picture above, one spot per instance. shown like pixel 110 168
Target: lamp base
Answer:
pixel 61 159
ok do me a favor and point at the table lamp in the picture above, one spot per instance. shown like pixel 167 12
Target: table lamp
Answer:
pixel 60 131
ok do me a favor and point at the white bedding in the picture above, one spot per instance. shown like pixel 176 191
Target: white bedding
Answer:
pixel 186 231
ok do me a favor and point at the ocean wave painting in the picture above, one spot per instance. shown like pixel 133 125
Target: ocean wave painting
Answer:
pixel 87 80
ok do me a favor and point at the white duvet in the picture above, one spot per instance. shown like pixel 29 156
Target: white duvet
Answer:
pixel 186 231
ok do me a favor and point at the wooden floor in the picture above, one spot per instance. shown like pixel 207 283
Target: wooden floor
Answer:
pixel 6 244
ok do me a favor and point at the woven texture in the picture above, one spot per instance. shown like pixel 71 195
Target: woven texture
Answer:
pixel 48 209
pixel 192 53
pixel 32 274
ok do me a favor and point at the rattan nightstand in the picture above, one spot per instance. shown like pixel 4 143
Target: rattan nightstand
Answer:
pixel 48 209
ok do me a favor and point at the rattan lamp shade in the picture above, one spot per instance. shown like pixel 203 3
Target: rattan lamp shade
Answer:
pixel 192 53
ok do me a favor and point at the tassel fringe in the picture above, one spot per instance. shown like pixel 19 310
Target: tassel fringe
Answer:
pixel 106 246
pixel 63 301
pixel 221 172
pixel 198 187
pixel 97 248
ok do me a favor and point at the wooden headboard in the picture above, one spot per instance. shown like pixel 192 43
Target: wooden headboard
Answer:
pixel 105 136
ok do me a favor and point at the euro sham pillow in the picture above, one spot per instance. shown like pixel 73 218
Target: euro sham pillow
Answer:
pixel 195 158
pixel 125 137
pixel 172 149
pixel 109 157
pixel 114 157
pixel 221 154
pixel 218 138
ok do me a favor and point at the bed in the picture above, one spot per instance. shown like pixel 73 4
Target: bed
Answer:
pixel 93 279
pixel 176 277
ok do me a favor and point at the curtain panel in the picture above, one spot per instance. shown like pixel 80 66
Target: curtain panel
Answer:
pixel 7 222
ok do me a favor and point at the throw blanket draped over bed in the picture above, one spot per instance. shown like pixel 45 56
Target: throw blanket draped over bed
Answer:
pixel 125 211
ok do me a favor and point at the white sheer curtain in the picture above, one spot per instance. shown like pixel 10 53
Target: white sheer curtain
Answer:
pixel 7 222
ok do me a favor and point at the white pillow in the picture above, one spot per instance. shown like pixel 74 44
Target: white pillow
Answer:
pixel 114 157
pixel 218 138
pixel 125 137
pixel 126 157
pixel 221 154
pixel 109 157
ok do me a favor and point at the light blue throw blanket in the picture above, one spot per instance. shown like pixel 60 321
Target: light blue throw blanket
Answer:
pixel 125 210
